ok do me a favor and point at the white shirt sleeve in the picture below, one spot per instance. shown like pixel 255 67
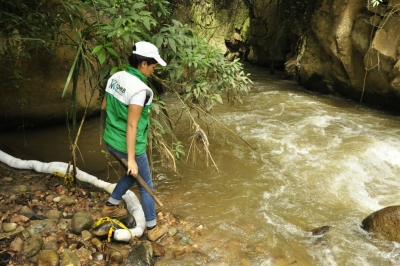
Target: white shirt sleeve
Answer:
pixel 138 98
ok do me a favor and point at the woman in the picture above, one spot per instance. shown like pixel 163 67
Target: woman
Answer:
pixel 128 101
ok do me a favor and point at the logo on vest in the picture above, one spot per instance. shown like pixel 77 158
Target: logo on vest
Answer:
pixel 116 87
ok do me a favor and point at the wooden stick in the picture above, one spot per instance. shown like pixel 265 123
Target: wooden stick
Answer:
pixel 143 183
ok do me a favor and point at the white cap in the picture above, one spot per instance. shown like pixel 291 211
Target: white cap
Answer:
pixel 147 49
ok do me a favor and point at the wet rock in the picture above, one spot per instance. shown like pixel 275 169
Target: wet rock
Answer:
pixel 81 221
pixel 182 252
pixel 98 244
pixel 50 245
pixel 50 198
pixel 36 217
pixel 17 189
pixel 129 222
pixel 26 211
pixel 167 240
pixel 141 254
pixel 384 223
pixel 19 219
pixel 38 226
pixel 188 250
pixel 172 231
pixel 111 247
pixel 101 230
pixel 16 244
pixel 25 234
pixel 7 179
pixel 116 257
pixel 185 240
pixel 53 214
pixel 48 258
pixel 9 227
pixel 320 230
pixel 158 250
pixel 61 237
pixel 32 247
pixel 57 199
pixel 84 255
pixel 68 201
pixel 86 234
pixel 69 258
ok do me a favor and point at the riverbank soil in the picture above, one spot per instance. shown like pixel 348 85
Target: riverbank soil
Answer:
pixel 36 211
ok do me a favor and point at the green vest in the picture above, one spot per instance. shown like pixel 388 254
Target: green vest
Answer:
pixel 120 89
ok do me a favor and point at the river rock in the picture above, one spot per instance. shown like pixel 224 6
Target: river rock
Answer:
pixel 84 255
pixel 86 235
pixel 57 199
pixel 50 245
pixel 172 231
pixel 38 226
pixel 320 230
pixel 112 247
pixel 141 254
pixel 19 218
pixel 48 258
pixel 81 221
pixel 54 214
pixel 26 211
pixel 32 247
pixel 69 258
pixel 384 223
pixel 9 227
pixel 19 189
pixel 68 201
pixel 16 244
pixel 158 250
pixel 116 257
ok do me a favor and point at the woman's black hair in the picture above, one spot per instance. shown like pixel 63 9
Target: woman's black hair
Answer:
pixel 135 60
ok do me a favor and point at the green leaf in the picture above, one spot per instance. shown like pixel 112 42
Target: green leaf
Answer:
pixel 102 57
pixel 97 49
pixel 218 98
pixel 146 23
pixel 104 71
pixel 172 44
pixel 159 41
pixel 114 70
pixel 112 52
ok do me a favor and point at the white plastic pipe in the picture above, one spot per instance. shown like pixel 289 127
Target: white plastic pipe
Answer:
pixel 133 205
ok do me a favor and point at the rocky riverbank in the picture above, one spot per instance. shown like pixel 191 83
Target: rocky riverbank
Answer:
pixel 45 222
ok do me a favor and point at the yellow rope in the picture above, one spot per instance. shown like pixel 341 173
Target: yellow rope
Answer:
pixel 68 179
pixel 112 228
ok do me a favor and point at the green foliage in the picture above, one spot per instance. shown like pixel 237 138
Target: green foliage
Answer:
pixel 178 150
pixel 197 71
pixel 102 35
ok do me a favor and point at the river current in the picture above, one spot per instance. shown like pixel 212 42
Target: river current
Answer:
pixel 317 161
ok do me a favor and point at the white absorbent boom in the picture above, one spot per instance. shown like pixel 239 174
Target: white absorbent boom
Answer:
pixel 133 205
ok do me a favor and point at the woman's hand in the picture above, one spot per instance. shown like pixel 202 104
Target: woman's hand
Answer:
pixel 132 168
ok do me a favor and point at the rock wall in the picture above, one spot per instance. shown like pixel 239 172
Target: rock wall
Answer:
pixel 353 49
pixel 35 99
pixel 343 47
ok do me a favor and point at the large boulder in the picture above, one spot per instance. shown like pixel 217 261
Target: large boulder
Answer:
pixel 384 223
